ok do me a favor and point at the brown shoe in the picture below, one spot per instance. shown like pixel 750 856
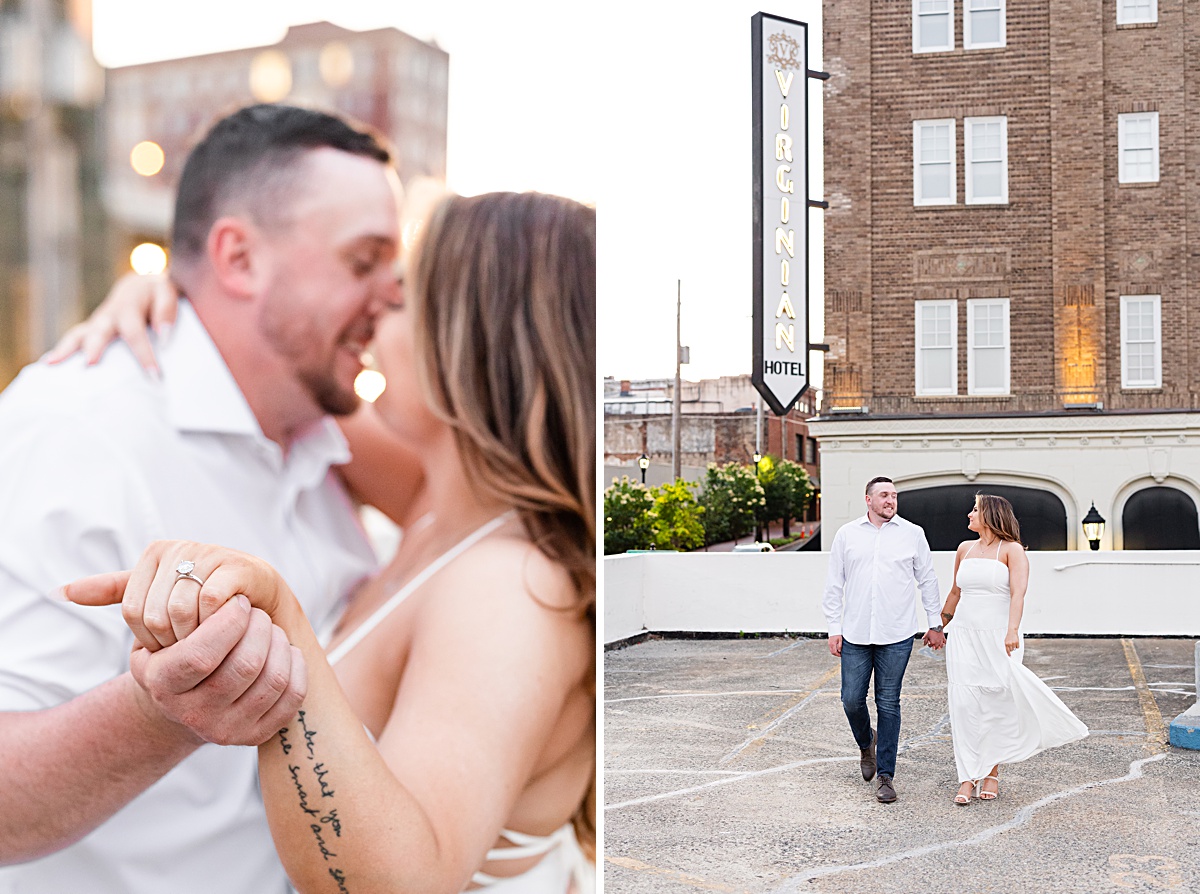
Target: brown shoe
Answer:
pixel 885 792
pixel 866 760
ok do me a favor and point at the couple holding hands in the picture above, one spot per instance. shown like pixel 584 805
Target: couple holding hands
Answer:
pixel 427 725
pixel 1000 711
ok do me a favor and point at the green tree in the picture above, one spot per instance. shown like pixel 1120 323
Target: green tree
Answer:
pixel 787 489
pixel 677 523
pixel 731 498
pixel 628 517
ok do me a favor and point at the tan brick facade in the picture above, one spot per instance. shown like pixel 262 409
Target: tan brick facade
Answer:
pixel 1070 241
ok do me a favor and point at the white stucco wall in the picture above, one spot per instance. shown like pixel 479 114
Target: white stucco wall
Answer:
pixel 1076 592
pixel 1081 458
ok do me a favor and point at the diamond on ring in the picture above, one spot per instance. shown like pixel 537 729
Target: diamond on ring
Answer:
pixel 183 571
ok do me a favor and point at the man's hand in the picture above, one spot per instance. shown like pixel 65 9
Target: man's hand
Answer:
pixel 935 639
pixel 234 681
pixel 835 646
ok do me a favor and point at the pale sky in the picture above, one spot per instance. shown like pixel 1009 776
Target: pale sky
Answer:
pixel 642 108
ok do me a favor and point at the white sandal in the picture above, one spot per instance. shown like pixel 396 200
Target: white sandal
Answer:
pixel 987 796
pixel 963 800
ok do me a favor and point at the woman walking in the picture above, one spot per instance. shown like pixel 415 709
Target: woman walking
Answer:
pixel 1000 711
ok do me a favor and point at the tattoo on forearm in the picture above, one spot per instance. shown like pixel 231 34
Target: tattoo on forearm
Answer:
pixel 300 792
pixel 306 771
pixel 309 735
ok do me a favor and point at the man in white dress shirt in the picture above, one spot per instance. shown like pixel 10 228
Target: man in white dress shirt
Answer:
pixel 876 565
pixel 286 230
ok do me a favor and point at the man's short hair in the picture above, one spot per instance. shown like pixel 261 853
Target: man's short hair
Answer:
pixel 875 481
pixel 250 158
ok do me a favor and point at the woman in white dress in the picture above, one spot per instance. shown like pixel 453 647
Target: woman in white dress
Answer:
pixel 456 703
pixel 1000 711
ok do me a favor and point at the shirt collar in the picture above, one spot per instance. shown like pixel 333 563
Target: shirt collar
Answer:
pixel 202 396
pixel 866 520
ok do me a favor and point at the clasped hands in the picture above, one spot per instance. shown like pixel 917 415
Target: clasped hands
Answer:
pixel 935 639
pixel 209 658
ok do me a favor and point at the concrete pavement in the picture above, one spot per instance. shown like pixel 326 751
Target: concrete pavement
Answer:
pixel 729 767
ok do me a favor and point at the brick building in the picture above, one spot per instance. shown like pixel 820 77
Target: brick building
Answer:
pixel 719 419
pixel 1009 270
pixel 382 77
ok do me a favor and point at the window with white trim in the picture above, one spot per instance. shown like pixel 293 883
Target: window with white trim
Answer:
pixel 983 24
pixel 933 162
pixel 933 26
pixel 1132 12
pixel 985 141
pixel 987 346
pixel 937 347
pixel 1141 341
pixel 1137 147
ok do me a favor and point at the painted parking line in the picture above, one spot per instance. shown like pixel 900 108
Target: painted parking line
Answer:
pixel 774 718
pixel 749 774
pixel 674 875
pixel 699 693
pixel 1156 729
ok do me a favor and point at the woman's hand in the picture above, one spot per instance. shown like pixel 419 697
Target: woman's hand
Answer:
pixel 163 602
pixel 133 302
pixel 1012 640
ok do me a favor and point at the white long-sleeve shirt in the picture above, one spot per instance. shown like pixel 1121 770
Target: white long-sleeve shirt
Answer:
pixel 94 464
pixel 871 587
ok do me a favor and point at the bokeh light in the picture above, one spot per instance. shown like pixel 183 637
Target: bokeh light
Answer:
pixel 336 64
pixel 147 158
pixel 148 258
pixel 369 384
pixel 270 76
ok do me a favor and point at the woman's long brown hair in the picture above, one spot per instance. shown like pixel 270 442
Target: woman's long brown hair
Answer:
pixel 503 295
pixel 996 514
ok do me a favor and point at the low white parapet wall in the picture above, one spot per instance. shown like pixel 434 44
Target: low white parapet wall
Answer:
pixel 1090 593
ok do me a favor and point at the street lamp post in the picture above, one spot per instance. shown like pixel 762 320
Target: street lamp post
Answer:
pixel 1093 527
pixel 757 516
pixel 643 464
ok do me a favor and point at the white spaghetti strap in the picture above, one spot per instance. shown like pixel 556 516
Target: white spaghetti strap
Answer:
pixel 528 845
pixel 377 617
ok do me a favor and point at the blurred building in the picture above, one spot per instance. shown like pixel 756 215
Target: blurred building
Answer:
pixel 50 173
pixel 156 111
pixel 1009 265
pixel 719 424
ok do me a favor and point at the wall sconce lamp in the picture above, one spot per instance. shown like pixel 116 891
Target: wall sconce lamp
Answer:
pixel 1093 527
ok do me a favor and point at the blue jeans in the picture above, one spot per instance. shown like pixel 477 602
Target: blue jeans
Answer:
pixel 888 664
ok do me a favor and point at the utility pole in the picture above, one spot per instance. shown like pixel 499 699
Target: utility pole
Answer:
pixel 677 403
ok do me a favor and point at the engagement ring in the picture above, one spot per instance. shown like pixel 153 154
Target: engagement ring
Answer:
pixel 184 570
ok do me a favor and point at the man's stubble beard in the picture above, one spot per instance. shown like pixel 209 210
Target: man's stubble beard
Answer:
pixel 319 381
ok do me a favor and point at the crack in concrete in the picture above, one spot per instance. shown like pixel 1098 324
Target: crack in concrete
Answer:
pixel 1021 817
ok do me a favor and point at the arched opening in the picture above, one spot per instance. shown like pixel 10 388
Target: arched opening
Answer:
pixel 942 512
pixel 1160 518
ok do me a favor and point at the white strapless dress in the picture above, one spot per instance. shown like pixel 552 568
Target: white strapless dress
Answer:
pixel 1000 711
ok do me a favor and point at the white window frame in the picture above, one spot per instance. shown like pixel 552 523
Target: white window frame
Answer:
pixel 973 306
pixel 968 138
pixel 920 388
pixel 1126 381
pixel 1123 122
pixel 916 28
pixel 918 199
pixel 968 44
pixel 1127 16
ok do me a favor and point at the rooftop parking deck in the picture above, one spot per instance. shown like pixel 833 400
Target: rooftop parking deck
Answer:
pixel 729 767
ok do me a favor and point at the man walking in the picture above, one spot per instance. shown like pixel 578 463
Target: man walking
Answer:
pixel 285 232
pixel 876 564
